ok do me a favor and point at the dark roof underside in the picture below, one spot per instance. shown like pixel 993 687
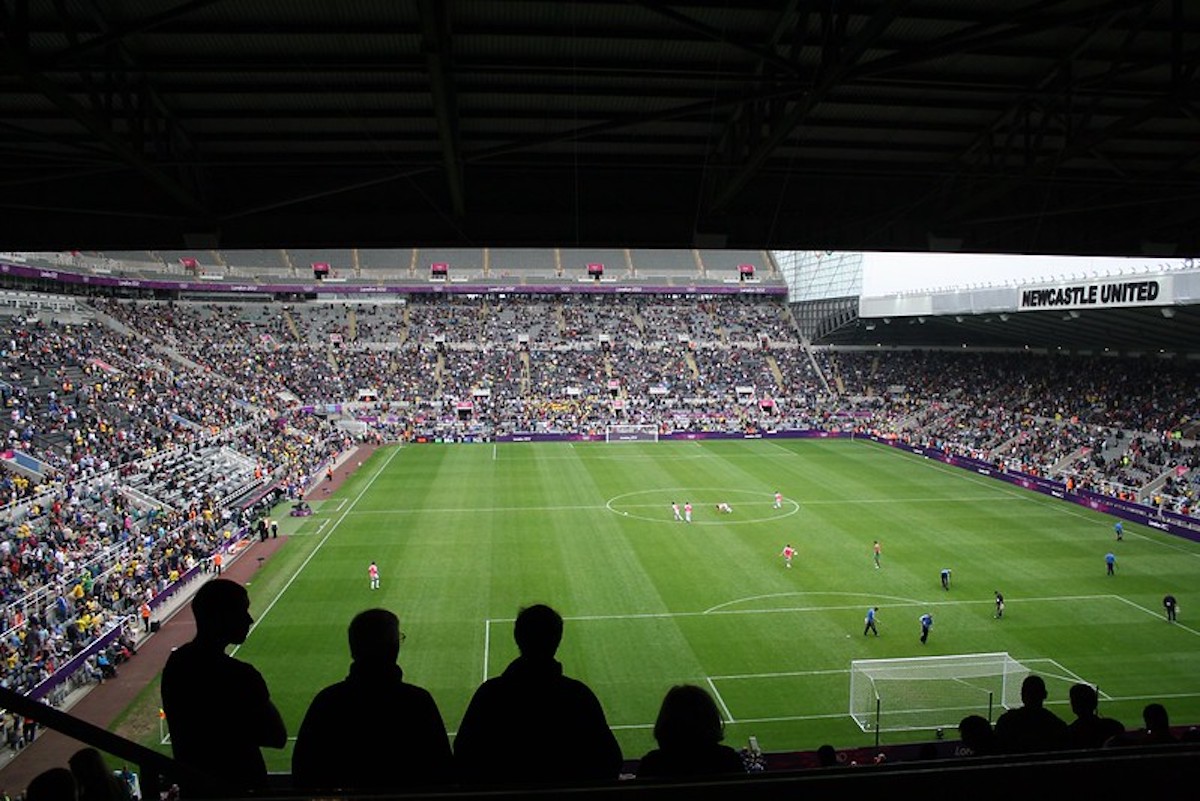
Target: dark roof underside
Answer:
pixel 1124 331
pixel 1045 126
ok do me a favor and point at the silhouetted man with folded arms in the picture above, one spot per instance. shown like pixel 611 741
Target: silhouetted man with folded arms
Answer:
pixel 218 708
pixel 532 724
pixel 373 731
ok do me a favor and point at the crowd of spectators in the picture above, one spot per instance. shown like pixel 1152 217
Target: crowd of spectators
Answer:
pixel 109 493
pixel 142 396
pixel 1120 427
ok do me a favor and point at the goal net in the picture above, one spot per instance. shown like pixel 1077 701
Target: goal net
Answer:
pixel 932 692
pixel 631 433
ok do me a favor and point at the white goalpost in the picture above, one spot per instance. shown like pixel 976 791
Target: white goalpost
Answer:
pixel 932 692
pixel 631 433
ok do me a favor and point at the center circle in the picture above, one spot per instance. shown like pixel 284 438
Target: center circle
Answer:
pixel 748 506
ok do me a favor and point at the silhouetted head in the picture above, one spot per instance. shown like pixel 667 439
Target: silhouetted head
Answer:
pixel 976 733
pixel 827 756
pixel 92 774
pixel 1155 718
pixel 538 631
pixel 375 637
pixel 688 717
pixel 1033 690
pixel 1084 699
pixel 55 784
pixel 222 611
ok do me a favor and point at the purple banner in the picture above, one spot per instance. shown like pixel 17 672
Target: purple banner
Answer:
pixel 776 289
pixel 76 662
pixel 532 436
pixel 1175 524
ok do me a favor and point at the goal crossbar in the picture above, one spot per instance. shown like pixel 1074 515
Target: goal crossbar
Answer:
pixel 911 693
pixel 629 432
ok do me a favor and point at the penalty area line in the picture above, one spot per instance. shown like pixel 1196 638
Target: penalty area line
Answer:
pixel 720 700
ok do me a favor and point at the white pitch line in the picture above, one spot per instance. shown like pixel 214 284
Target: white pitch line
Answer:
pixel 478 510
pixel 905 602
pixel 324 539
pixel 1160 615
pixel 1062 506
pixel 487 646
pixel 775 444
pixel 840 715
pixel 720 700
pixel 781 675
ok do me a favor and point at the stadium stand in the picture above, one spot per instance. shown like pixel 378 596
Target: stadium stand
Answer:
pixel 653 264
pixel 723 264
pixel 460 263
pixel 341 262
pixel 575 262
pixel 147 432
pixel 522 263
pixel 386 263
pixel 257 264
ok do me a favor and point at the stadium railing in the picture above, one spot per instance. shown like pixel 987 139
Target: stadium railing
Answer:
pixel 1151 772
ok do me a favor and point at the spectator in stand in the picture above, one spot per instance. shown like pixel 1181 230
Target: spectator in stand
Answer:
pixel 340 745
pixel 95 780
pixel 1158 725
pixel 977 736
pixel 1030 727
pixel 224 749
pixel 532 724
pixel 689 731
pixel 55 784
pixel 1089 730
pixel 1156 731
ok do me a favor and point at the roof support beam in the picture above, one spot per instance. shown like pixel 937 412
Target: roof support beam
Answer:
pixel 836 63
pixel 117 34
pixel 435 29
pixel 99 127
pixel 764 55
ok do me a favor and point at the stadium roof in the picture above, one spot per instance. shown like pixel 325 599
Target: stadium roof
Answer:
pixel 1123 331
pixel 1040 126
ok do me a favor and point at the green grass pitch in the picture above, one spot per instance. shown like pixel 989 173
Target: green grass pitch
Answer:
pixel 465 535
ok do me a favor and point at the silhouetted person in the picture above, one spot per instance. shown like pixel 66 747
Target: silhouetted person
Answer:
pixel 221 742
pixel 1089 730
pixel 1158 725
pixel 372 731
pixel 55 784
pixel 93 777
pixel 977 736
pixel 827 756
pixel 1030 727
pixel 1157 729
pixel 532 724
pixel 689 731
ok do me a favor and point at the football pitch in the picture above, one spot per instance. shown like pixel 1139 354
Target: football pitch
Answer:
pixel 465 535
